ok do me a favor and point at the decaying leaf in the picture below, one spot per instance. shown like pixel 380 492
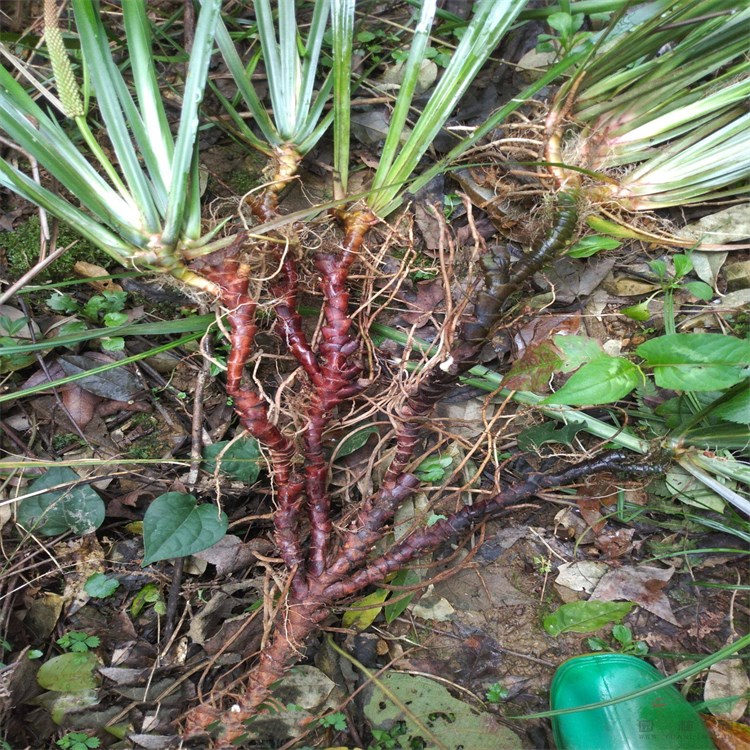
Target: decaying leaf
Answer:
pixel 435 716
pixel 727 735
pixel 726 680
pixel 581 576
pixel 643 584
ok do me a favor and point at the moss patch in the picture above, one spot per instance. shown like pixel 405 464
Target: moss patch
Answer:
pixel 21 250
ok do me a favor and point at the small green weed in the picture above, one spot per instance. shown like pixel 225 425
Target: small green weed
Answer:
pixel 434 469
pixel 670 283
pixel 336 720
pixel 622 642
pixel 102 309
pixel 568 34
pixel 77 741
pixel 78 641
pixel 496 693
pixel 388 739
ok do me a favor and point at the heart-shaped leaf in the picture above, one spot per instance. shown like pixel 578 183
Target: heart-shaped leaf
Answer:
pixel 176 526
pixel 73 507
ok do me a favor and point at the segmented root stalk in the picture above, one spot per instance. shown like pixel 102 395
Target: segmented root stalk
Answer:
pixel 559 236
pixel 300 617
pixel 337 381
pixel 226 270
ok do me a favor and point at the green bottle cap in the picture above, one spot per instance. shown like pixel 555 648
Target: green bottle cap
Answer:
pixel 659 720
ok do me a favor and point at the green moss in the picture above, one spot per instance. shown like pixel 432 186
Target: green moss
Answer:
pixel 250 175
pixel 21 249
pixel 62 440
pixel 151 445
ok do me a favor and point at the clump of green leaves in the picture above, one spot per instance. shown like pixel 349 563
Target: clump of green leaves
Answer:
pixel 568 34
pixel 77 741
pixel 434 469
pixel 670 283
pixel 78 641
pixel 496 693
pixel 388 739
pixel 622 641
pixel 102 309
pixel 335 720
pixel 150 594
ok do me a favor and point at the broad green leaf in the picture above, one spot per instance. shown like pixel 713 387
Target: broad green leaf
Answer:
pixel 176 526
pixel 700 289
pixel 361 619
pixel 99 586
pixel 69 673
pixel 696 361
pixel 406 577
pixel 76 508
pixel 354 441
pixel 585 617
pixel 241 460
pixel 603 381
pixel 577 350
pixel 682 265
pixel 591 245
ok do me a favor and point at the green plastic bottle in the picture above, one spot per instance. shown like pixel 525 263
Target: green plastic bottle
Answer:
pixel 660 720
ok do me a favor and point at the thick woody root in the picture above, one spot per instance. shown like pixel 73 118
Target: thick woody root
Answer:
pixel 232 277
pixel 320 578
pixel 336 383
pixel 299 619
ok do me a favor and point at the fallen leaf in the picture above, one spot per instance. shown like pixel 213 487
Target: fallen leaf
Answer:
pixel 533 371
pixel 449 721
pixel 615 542
pixel 117 384
pixel 432 607
pixel 728 225
pixel 422 307
pixel 707 266
pixel 585 616
pixel 727 735
pixel 641 584
pixel 90 271
pixel 727 679
pixel 589 509
pixel 542 327
pixel 581 576
pixel 81 404
pixel 231 553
